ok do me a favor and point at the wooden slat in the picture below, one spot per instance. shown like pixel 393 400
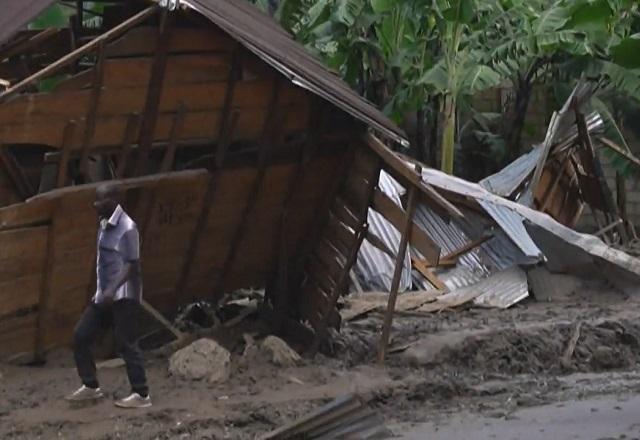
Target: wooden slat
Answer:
pixel 125 150
pixel 270 132
pixel 79 53
pixel 134 73
pixel 421 267
pixel 467 248
pixel 92 112
pixel 140 41
pixel 405 237
pixel 154 93
pixel 176 133
pixel 63 165
pixel 395 215
pixel 199 125
pixel 45 290
pixel 410 177
pixel 200 97
pixel 345 214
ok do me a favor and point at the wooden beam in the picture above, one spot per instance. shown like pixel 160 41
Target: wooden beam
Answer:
pixel 405 231
pixel 162 320
pixel 174 138
pixel 583 134
pixel 395 215
pixel 92 111
pixel 281 249
pixel 321 331
pixel 554 186
pixel 410 177
pixel 79 53
pixel 133 122
pixel 228 124
pixel 272 124
pixel 378 243
pixel 421 267
pixel 45 287
pixel 65 154
pixel 467 248
pixel 154 93
pixel 16 174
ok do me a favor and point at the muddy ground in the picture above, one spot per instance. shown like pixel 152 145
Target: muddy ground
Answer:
pixel 472 364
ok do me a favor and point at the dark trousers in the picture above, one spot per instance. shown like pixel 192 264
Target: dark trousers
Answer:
pixel 121 315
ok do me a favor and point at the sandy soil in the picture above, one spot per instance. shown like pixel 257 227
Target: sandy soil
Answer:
pixel 448 374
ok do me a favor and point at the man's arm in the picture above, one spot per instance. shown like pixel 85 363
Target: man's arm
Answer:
pixel 130 248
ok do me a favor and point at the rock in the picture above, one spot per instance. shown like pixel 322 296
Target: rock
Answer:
pixel 605 357
pixel 280 354
pixel 204 359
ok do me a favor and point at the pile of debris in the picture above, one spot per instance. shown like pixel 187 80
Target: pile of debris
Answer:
pixel 512 222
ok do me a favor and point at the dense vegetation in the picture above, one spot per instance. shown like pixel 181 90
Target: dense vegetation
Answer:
pixel 423 61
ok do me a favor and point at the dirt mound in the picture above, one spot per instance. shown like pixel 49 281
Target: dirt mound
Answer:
pixel 604 346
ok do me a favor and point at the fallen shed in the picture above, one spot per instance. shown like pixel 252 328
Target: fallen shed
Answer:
pixel 231 141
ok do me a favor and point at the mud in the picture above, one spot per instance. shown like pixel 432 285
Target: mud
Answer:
pixel 489 363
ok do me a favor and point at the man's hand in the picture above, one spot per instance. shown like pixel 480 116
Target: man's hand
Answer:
pixel 107 295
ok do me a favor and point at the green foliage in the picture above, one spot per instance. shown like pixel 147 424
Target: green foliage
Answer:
pixel 402 53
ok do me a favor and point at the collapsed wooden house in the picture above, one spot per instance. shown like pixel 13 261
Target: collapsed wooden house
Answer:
pixel 246 163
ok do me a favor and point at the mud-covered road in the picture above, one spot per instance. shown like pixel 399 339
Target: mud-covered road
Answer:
pixel 470 373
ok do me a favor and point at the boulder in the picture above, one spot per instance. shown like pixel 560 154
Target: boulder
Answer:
pixel 279 353
pixel 204 359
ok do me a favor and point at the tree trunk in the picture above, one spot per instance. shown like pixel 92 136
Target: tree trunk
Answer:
pixel 515 116
pixel 434 127
pixel 448 134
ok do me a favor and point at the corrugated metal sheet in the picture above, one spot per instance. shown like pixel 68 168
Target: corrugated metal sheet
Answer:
pixel 374 268
pixel 505 182
pixel 503 289
pixel 500 209
pixel 262 36
pixel 557 237
pixel 511 224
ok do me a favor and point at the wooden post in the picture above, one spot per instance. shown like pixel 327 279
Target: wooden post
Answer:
pixel 174 139
pixel 65 154
pixel 133 122
pixel 92 111
pixel 321 332
pixel 395 283
pixel 269 135
pixel 583 134
pixel 228 124
pixel 45 288
pixel 154 93
pixel 79 53
pixel 281 248
pixel 621 200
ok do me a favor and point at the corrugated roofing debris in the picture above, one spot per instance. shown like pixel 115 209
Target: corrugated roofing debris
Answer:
pixel 374 268
pixel 502 290
pixel 510 179
pixel 344 418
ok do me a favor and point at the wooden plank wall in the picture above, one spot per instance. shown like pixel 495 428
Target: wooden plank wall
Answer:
pixel 197 72
pixel 166 226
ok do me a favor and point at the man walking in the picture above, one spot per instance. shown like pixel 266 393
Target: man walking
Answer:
pixel 118 296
